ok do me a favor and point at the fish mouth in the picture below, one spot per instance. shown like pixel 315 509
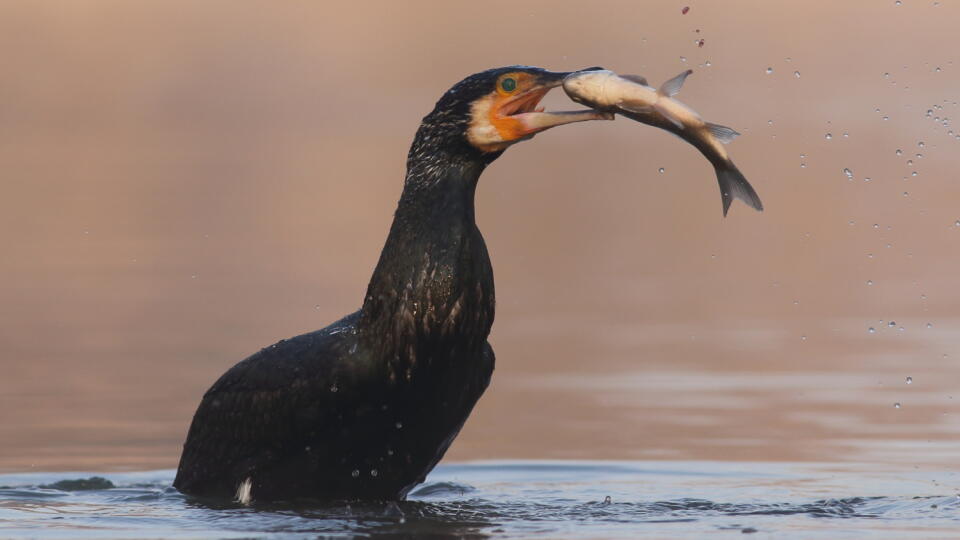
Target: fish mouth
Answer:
pixel 525 109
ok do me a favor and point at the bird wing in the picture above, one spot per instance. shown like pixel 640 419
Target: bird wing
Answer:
pixel 258 408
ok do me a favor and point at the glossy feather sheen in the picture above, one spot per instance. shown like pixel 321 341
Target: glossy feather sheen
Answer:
pixel 364 408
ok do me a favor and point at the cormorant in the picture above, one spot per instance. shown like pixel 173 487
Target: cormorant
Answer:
pixel 364 408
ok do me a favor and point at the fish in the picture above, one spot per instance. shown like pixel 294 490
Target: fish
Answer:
pixel 632 97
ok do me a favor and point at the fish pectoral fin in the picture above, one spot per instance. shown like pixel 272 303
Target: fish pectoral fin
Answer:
pixel 639 79
pixel 672 87
pixel 639 109
pixel 723 134
pixel 664 112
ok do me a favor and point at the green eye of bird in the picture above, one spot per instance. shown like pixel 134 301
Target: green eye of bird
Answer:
pixel 509 84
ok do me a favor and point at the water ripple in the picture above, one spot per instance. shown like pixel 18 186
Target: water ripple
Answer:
pixel 490 500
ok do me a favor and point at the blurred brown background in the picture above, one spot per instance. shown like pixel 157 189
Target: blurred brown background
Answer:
pixel 186 182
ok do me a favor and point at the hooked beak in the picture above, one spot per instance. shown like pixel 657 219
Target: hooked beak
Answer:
pixel 533 119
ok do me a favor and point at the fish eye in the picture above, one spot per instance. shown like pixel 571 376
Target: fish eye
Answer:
pixel 509 84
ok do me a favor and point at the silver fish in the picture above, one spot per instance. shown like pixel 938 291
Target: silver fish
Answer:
pixel 631 96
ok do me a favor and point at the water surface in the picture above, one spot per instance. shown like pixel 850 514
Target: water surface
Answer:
pixel 663 499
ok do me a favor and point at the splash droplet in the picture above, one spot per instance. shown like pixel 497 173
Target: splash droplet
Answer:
pixel 848 172
pixel 909 380
pixel 796 74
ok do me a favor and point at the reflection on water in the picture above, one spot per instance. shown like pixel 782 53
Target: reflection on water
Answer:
pixel 518 499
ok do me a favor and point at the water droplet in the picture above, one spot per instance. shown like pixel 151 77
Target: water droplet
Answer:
pixel 803 338
pixel 876 225
pixel 683 58
pixel 828 136
pixel 956 223
pixel 661 170
pixel 938 70
pixel 846 135
pixel 374 473
pixel 886 118
pixel 869 255
pixel 399 425
pixel 899 152
pixel 891 324
pixel 700 42
pixel 848 172
pixel 929 113
pixel 871 330
pixel 802 156
pixel 796 74
pixel 869 282
pixel 685 10
pixel 920 144
pixel 914 173
pixel 707 63
pixel 909 380
pixel 193 276
pixel 909 162
pixel 866 178
pixel 769 122
pixel 769 70
pixel 896 405
pixel 929 325
pixel 897 3
pixel 355 473
pixel 334 388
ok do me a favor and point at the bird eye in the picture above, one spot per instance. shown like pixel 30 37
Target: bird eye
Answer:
pixel 509 84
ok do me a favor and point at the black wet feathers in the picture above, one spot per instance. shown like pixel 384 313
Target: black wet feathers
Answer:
pixel 365 407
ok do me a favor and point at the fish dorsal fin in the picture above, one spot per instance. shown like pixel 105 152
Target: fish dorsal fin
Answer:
pixel 639 79
pixel 723 134
pixel 671 87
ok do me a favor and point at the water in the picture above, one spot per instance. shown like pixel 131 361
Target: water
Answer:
pixel 556 499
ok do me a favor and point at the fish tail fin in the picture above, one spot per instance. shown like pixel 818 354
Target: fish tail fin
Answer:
pixel 723 134
pixel 733 185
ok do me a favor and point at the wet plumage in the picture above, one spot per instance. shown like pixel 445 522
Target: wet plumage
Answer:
pixel 365 407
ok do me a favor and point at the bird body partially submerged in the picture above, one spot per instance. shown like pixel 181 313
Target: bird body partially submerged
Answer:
pixel 631 96
pixel 364 408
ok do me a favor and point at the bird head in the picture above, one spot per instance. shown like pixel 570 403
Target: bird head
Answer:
pixel 493 109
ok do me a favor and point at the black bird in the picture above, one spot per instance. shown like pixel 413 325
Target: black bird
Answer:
pixel 366 407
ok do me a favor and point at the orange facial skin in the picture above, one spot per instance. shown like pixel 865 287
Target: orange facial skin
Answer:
pixel 524 98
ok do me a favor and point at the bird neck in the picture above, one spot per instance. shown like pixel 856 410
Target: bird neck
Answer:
pixel 431 294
